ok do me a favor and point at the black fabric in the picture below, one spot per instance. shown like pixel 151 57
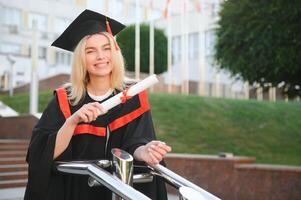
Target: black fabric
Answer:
pixel 46 183
pixel 87 23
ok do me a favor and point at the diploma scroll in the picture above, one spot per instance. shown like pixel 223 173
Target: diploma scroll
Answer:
pixel 132 91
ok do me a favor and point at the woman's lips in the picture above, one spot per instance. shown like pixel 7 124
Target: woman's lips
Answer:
pixel 101 64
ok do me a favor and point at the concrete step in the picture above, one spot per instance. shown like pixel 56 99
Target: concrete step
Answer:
pixel 13 141
pixel 13 167
pixel 6 111
pixel 13 147
pixel 12 160
pixel 7 153
pixel 4 176
pixel 13 183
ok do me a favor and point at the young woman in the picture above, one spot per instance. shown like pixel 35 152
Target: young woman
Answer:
pixel 74 126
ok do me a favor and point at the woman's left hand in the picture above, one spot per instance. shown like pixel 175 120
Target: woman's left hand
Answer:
pixel 152 153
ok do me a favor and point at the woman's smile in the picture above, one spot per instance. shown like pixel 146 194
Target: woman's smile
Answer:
pixel 102 64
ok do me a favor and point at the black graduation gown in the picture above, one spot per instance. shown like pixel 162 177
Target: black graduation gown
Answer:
pixel 130 126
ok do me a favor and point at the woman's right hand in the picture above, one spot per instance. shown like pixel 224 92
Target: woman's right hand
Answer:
pixel 87 113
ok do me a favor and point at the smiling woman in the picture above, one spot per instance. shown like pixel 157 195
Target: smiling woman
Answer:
pixel 95 56
pixel 98 57
pixel 75 126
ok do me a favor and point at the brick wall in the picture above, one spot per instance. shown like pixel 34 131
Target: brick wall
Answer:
pixel 238 177
pixel 17 127
pixel 50 83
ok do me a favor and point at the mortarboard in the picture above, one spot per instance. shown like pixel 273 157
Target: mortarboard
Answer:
pixel 87 23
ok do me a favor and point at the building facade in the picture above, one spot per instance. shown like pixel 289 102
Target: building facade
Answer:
pixel 16 19
pixel 191 32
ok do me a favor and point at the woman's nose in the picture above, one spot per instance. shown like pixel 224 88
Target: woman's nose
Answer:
pixel 100 56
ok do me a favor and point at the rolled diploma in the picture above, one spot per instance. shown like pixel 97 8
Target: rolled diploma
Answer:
pixel 132 91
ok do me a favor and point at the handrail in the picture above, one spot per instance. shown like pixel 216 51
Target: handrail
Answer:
pixel 103 177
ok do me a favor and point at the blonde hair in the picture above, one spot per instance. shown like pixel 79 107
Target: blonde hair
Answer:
pixel 79 76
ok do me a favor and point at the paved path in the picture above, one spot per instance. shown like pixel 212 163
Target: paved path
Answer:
pixel 18 193
pixel 12 194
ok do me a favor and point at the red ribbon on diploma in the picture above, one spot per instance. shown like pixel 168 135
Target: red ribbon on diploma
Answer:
pixel 125 97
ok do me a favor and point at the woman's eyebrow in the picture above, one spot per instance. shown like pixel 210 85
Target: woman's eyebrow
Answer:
pixel 87 48
pixel 106 44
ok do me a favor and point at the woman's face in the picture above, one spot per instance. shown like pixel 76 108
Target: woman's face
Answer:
pixel 98 56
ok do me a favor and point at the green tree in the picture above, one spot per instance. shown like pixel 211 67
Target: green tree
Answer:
pixel 260 41
pixel 126 41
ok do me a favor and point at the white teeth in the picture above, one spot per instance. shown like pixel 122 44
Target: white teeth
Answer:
pixel 101 64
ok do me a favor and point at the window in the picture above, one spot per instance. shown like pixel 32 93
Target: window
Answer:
pixel 66 1
pixel 214 9
pixel 6 47
pixel 209 42
pixel 116 8
pixel 20 83
pixel 20 73
pixel 42 52
pixel 176 49
pixel 4 80
pixel 63 58
pixel 60 24
pixel 193 46
pixel 10 16
pixel 40 19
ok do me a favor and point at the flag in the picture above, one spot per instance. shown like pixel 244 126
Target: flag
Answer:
pixel 165 11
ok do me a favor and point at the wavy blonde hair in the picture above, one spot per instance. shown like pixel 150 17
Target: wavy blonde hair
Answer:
pixel 79 76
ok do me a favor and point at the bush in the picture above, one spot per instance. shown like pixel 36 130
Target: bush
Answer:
pixel 126 41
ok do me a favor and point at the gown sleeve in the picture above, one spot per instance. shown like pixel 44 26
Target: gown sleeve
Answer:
pixel 139 132
pixel 40 152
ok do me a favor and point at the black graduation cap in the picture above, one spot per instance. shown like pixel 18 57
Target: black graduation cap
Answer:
pixel 87 23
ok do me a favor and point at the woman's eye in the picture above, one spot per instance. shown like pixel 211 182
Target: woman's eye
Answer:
pixel 89 52
pixel 108 48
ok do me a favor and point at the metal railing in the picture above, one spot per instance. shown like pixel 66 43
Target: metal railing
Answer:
pixel 120 182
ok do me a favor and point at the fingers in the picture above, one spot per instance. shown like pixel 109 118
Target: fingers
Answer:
pixel 101 109
pixel 156 150
pixel 89 112
pixel 86 114
pixel 153 160
pixel 161 151
pixel 164 147
pixel 82 117
pixel 160 147
pixel 156 154
pixel 94 112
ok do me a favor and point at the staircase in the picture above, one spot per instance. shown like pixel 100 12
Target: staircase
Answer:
pixel 13 167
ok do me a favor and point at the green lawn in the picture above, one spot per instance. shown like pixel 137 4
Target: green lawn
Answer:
pixel 271 132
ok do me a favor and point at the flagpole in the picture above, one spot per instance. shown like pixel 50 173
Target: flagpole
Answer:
pixel 201 85
pixel 183 52
pixel 125 8
pixel 34 85
pixel 151 49
pixel 169 64
pixel 137 42
pixel 106 7
pixel 246 87
pixel 217 84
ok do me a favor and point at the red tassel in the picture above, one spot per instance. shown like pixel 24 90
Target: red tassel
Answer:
pixel 110 31
pixel 108 26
